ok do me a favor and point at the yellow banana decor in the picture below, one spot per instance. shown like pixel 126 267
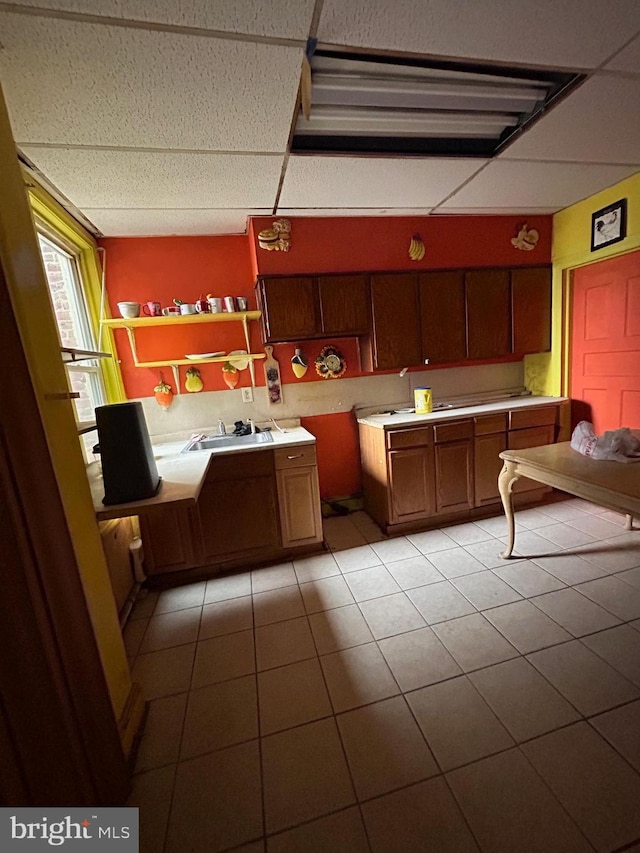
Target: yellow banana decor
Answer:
pixel 416 248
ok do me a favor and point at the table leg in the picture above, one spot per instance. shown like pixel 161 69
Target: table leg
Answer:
pixel 507 478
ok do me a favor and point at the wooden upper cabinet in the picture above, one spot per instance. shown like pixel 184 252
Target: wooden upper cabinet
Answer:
pixel 442 316
pixel 488 303
pixel 531 309
pixel 290 309
pixel 395 338
pixel 344 304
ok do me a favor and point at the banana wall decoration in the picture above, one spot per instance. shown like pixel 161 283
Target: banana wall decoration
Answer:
pixel 416 248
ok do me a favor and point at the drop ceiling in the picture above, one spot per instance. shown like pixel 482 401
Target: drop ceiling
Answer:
pixel 169 117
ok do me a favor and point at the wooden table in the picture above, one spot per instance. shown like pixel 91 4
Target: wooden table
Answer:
pixel 614 485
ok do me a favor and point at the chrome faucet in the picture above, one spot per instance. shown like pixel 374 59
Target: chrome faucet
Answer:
pixel 222 430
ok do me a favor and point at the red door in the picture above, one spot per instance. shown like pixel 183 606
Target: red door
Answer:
pixel 605 343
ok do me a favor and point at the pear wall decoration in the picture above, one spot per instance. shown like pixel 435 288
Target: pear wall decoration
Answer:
pixel 299 364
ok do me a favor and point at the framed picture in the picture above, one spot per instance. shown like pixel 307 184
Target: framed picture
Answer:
pixel 609 225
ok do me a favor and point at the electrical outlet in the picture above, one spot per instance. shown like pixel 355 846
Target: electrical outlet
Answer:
pixel 247 395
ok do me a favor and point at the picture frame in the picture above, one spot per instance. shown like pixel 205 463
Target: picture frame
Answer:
pixel 609 225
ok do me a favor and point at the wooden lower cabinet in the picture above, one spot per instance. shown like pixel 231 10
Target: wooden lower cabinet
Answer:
pixel 410 484
pixel 487 467
pixel 238 517
pixel 446 469
pixel 170 537
pixel 454 476
pixel 298 495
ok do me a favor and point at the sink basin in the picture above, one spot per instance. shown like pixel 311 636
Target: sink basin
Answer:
pixel 214 441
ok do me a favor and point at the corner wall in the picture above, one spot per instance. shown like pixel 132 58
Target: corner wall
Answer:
pixel 547 373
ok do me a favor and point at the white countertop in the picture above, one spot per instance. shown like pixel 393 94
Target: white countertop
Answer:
pixel 183 473
pixel 409 419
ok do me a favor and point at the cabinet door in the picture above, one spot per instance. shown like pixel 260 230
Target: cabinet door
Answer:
pixel 169 537
pixel 116 536
pixel 488 304
pixel 344 304
pixel 410 484
pixel 396 323
pixel 299 501
pixel 290 309
pixel 519 439
pixel 442 317
pixel 487 467
pixel 531 309
pixel 238 516
pixel 453 474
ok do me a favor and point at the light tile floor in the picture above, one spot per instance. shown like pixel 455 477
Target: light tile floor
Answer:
pixel 400 694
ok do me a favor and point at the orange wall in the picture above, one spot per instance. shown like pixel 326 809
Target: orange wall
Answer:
pixel 345 244
pixel 161 268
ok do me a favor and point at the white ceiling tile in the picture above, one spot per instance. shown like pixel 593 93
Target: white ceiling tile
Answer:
pixel 354 211
pixel 528 185
pixel 573 33
pixel 628 59
pixel 494 211
pixel 89 84
pixel 273 18
pixel 598 123
pixel 372 182
pixel 117 179
pixel 160 223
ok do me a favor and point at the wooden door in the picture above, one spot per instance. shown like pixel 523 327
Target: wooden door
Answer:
pixel 237 517
pixel 531 309
pixel 605 343
pixel 169 536
pixel 299 502
pixel 487 466
pixel 442 317
pixel 289 307
pixel 395 318
pixel 344 304
pixel 454 476
pixel 488 305
pixel 410 484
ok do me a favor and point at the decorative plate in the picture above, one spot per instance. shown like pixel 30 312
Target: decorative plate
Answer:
pixel 330 364
pixel 237 360
pixel 199 355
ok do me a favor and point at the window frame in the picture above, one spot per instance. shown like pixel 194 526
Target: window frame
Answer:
pixel 53 221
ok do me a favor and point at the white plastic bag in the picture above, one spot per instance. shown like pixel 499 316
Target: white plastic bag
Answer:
pixel 619 445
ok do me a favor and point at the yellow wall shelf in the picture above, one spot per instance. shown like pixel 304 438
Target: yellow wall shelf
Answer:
pixel 130 325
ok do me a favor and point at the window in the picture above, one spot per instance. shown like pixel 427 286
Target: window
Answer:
pixel 74 328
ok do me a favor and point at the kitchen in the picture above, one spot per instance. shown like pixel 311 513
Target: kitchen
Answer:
pixel 187 267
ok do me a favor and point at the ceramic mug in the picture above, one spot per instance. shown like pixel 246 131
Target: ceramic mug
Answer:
pixel 242 303
pixel 171 310
pixel 202 306
pixel 152 309
pixel 229 304
pixel 187 308
pixel 129 310
pixel 215 304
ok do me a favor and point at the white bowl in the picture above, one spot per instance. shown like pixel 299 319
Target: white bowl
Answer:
pixel 129 310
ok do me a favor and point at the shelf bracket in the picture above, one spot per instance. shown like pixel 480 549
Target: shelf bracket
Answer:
pixel 176 376
pixel 132 343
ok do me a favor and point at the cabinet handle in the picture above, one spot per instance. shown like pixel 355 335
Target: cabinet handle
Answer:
pixel 297 456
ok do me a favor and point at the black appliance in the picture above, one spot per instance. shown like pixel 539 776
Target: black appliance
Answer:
pixel 129 470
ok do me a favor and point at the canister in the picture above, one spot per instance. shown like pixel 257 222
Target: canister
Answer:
pixel 423 401
pixel 229 304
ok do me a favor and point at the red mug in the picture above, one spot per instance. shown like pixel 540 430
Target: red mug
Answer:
pixel 152 309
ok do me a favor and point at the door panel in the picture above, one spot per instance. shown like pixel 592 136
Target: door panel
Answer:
pixel 605 343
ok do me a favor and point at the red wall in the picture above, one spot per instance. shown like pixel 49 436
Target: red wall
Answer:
pixel 161 268
pixel 346 244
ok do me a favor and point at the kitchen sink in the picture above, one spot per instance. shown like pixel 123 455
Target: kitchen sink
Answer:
pixel 214 441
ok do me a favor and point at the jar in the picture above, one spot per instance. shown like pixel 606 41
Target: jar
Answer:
pixel 423 401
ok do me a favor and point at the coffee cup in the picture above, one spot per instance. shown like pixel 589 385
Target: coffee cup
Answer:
pixel 229 304
pixel 215 304
pixel 171 310
pixel 242 303
pixel 187 308
pixel 152 309
pixel 129 310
